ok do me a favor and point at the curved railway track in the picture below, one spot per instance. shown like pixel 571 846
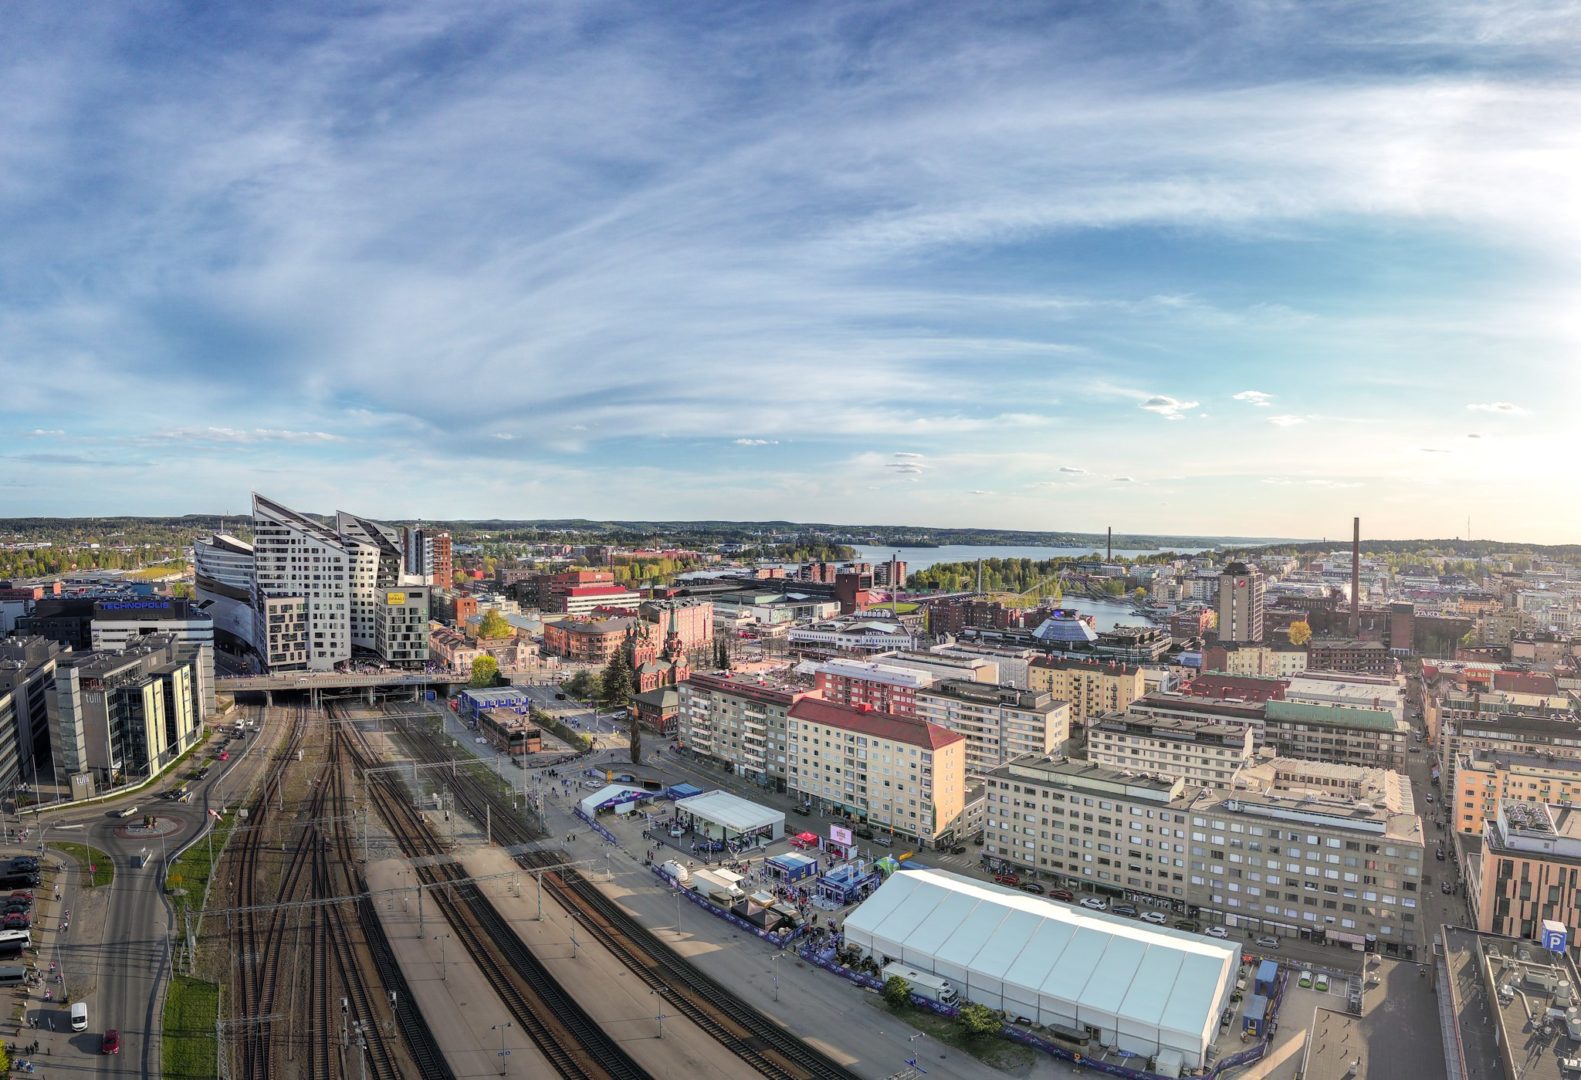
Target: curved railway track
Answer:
pixel 767 1047
pixel 570 1040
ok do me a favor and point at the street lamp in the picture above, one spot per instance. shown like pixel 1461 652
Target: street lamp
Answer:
pixel 504 1053
pixel 444 972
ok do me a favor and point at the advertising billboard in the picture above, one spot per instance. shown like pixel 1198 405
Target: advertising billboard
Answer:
pixel 394 599
pixel 839 835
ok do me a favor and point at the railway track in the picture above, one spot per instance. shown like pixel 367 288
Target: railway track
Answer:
pixel 318 863
pixel 767 1047
pixel 569 1039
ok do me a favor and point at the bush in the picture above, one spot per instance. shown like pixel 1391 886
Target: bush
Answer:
pixel 978 1021
pixel 897 991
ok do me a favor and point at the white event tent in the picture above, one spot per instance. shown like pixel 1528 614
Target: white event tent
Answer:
pixel 1140 988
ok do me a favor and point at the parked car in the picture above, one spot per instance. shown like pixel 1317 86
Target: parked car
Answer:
pixel 20 920
pixel 864 833
pixel 112 1042
pixel 1439 854
pixel 559 697
pixel 1031 887
pixel 1128 910
pixel 1306 978
pixel 800 809
pixel 1320 983
pixel 958 849
pixel 1446 888
pixel 1186 924
pixel 677 830
pixel 884 840
pixel 1225 1017
pixel 1157 918
pixel 1217 932
pixel 1094 903
pixel 1062 894
pixel 1267 943
pixel 1007 879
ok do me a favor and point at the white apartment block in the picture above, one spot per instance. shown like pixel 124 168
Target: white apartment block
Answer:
pixel 998 722
pixel 1202 753
pixel 1090 827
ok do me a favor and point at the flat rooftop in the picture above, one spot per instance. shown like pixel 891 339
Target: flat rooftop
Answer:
pixel 1336 1047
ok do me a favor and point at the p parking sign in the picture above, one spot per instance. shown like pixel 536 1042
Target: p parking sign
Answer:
pixel 1556 936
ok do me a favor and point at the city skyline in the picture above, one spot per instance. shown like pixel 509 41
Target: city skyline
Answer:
pixel 1222 271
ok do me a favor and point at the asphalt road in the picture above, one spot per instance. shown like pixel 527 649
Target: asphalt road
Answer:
pixel 133 958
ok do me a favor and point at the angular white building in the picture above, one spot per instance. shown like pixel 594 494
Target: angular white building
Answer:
pixel 1145 989
pixel 316 593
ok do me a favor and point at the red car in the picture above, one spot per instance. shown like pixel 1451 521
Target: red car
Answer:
pixel 1062 894
pixel 19 920
pixel 112 1042
pixel 1007 879
pixel 225 755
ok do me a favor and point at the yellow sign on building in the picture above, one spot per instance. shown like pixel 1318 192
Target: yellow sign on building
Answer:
pixel 394 599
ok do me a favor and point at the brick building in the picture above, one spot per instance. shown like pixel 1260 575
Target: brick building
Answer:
pixel 590 640
pixel 888 688
pixel 1350 654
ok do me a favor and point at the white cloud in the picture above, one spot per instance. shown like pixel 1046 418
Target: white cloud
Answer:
pixel 45 433
pixel 1167 407
pixel 757 442
pixel 979 491
pixel 243 436
pixel 1432 450
pixel 1474 435
pixel 505 436
pixel 1255 397
pixel 1502 407
pixel 1286 420
pixel 1125 480
pixel 1073 470
pixel 907 455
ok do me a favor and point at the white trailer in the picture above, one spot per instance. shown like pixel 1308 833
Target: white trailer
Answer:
pixel 924 985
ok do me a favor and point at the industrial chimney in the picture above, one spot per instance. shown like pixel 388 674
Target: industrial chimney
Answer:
pixel 1109 549
pixel 1355 578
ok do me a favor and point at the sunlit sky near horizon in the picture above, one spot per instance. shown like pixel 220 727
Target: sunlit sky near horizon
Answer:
pixel 1213 268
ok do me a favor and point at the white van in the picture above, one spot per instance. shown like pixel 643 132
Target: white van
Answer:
pixel 79 1016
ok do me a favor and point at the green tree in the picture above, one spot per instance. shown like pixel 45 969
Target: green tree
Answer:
pixel 978 1021
pixel 1139 594
pixel 617 684
pixel 495 625
pixel 897 991
pixel 721 653
pixel 460 577
pixel 485 669
pixel 579 685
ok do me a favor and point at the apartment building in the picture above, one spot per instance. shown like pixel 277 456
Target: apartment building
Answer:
pixel 1477 723
pixel 998 722
pixel 1090 827
pixel 1273 659
pixel 587 640
pixel 740 722
pixel 886 688
pixel 901 774
pixel 317 590
pixel 1091 687
pixel 1528 869
pixel 1312 850
pixel 1241 589
pixel 1346 654
pixel 1336 733
pixel 1204 753
pixel 1485 779
pixel 27 677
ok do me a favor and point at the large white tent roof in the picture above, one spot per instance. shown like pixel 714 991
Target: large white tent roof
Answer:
pixel 1145 988
pixel 732 812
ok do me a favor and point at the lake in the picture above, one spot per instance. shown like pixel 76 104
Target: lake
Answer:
pixel 917 558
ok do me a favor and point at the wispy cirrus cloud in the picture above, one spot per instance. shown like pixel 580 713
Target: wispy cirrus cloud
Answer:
pixel 1254 397
pixel 1286 420
pixel 1501 408
pixel 757 442
pixel 244 436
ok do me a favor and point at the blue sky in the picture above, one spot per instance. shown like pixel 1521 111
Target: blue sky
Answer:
pixel 1182 267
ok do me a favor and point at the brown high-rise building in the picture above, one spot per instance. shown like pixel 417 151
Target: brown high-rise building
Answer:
pixel 444 568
